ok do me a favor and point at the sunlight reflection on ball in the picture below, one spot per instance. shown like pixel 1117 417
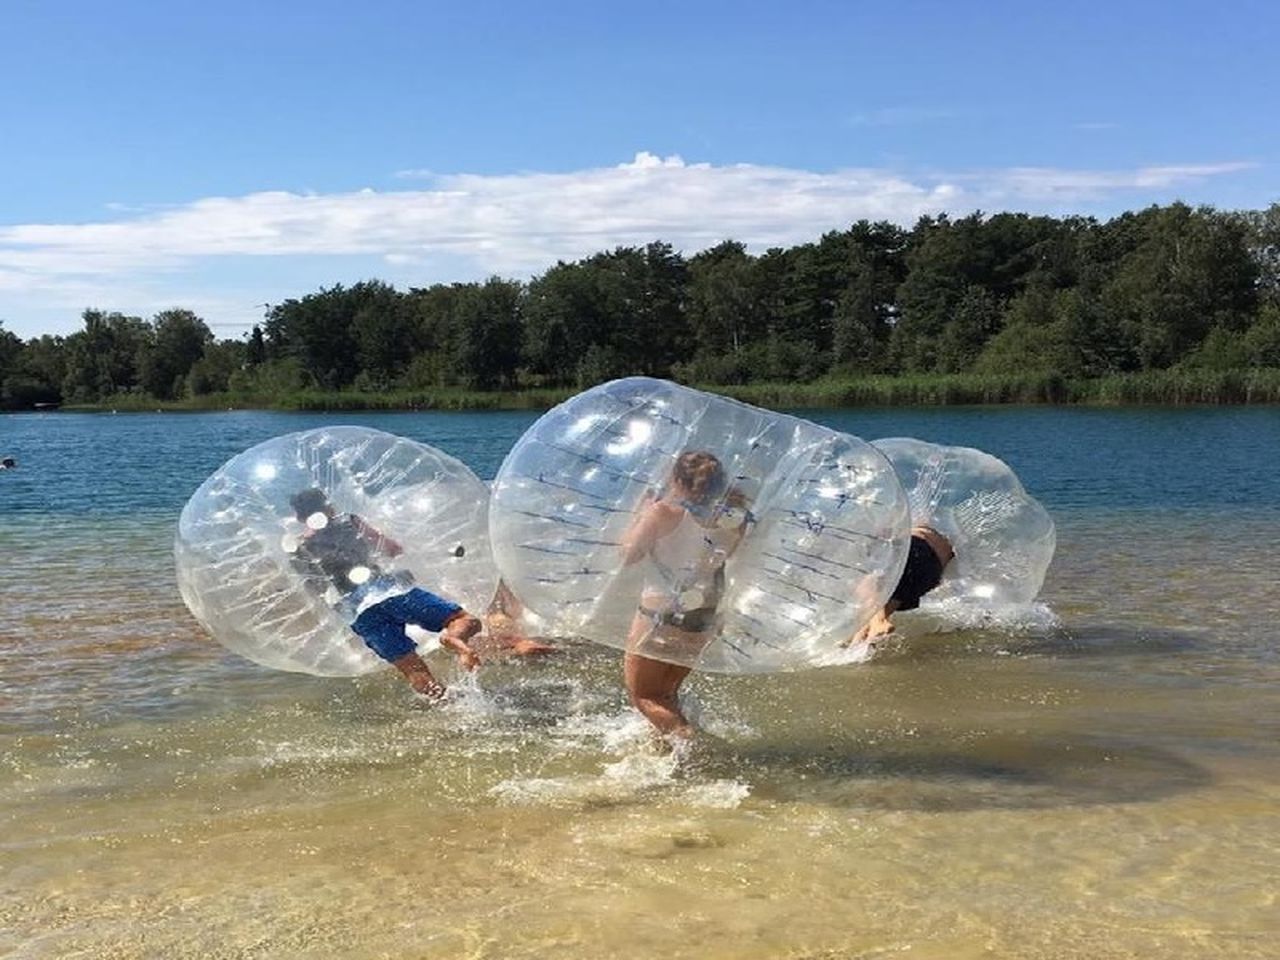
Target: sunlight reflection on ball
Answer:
pixel 827 544
pixel 422 513
pixel 1003 538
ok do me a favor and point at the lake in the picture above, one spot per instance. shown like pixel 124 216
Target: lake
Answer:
pixel 1099 779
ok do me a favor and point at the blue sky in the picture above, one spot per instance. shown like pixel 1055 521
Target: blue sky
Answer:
pixel 227 155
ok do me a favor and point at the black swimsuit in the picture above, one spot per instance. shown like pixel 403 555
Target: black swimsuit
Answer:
pixel 922 573
pixel 699 620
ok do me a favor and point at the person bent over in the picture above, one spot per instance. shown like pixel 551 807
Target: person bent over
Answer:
pixel 927 557
pixel 344 557
pixel 382 628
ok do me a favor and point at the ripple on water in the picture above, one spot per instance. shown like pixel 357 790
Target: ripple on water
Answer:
pixel 1098 778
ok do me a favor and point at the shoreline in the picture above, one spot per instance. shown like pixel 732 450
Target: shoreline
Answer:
pixel 1257 386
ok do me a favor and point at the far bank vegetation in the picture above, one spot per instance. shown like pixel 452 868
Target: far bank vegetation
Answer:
pixel 1169 304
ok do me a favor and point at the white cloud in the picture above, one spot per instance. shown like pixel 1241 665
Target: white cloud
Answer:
pixel 1035 185
pixel 515 224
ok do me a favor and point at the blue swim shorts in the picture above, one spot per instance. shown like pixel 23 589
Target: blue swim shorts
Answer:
pixel 382 625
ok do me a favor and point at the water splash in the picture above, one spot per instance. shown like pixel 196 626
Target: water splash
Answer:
pixel 944 616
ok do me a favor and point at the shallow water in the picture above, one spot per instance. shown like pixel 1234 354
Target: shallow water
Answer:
pixel 1099 777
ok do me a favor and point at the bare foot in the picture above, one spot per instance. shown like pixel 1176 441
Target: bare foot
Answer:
pixel 419 675
pixel 679 740
pixel 428 689
pixel 455 636
pixel 505 636
pixel 526 647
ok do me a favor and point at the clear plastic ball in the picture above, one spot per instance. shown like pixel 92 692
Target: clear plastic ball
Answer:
pixel 390 512
pixel 804 538
pixel 1003 538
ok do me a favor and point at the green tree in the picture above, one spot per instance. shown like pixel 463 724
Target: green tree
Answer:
pixel 256 350
pixel 940 259
pixel 1262 340
pixel 37 374
pixel 779 351
pixel 859 322
pixel 1263 237
pixel 213 372
pixel 319 329
pixel 562 318
pixel 720 299
pixel 975 321
pixel 13 385
pixel 385 330
pixel 487 334
pixel 639 301
pixel 1043 331
pixel 178 340
pixel 102 359
pixel 10 351
pixel 1192 270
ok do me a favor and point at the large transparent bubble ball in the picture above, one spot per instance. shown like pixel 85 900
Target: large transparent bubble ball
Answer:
pixel 422 518
pixel 1002 537
pixel 826 547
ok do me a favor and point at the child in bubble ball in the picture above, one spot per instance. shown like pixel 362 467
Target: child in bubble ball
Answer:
pixel 342 552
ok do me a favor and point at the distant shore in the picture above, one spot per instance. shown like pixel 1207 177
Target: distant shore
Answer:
pixel 1173 387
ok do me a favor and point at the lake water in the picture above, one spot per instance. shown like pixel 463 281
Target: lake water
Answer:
pixel 1099 779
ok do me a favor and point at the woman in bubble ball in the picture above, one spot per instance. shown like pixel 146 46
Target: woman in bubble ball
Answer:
pixel 685 535
pixel 343 551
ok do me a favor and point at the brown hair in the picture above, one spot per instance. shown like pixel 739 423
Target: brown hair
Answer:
pixel 307 502
pixel 700 473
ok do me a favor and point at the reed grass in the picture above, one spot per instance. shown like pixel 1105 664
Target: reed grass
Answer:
pixel 1158 387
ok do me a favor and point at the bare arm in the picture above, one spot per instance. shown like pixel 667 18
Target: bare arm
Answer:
pixel 880 625
pixel 656 519
pixel 747 522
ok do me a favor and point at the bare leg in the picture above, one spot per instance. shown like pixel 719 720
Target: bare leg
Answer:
pixel 415 670
pixel 505 634
pixel 504 601
pixel 654 687
pixel 455 635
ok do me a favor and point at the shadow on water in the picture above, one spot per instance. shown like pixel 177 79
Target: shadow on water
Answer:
pixel 1103 640
pixel 1080 640
pixel 999 773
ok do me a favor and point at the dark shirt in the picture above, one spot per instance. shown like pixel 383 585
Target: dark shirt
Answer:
pixel 336 549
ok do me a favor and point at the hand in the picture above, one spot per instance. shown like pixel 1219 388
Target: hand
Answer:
pixel 468 659
pixel 857 638
pixel 878 626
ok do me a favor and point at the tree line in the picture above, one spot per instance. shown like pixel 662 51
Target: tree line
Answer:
pixel 1165 287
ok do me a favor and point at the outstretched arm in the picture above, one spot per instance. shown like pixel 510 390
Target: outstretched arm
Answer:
pixel 880 625
pixel 748 521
